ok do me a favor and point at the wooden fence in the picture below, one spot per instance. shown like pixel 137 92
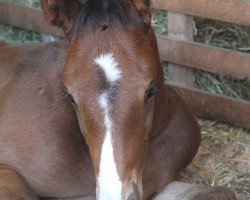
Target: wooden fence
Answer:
pixel 180 51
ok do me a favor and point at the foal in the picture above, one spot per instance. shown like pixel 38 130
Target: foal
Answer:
pixel 134 134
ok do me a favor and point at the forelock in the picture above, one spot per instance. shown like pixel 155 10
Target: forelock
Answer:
pixel 102 13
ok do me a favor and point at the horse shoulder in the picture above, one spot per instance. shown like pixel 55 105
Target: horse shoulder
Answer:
pixel 173 148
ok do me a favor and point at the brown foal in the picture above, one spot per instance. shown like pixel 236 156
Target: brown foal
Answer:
pixel 126 136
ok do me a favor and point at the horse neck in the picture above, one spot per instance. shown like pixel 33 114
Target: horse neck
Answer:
pixel 161 107
pixel 161 103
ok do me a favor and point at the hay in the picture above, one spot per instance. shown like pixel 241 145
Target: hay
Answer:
pixel 223 159
pixel 220 34
pixel 29 3
pixel 224 85
pixel 14 35
pixel 225 35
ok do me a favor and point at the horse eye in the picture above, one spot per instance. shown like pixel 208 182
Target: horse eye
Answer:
pixel 150 92
pixel 71 98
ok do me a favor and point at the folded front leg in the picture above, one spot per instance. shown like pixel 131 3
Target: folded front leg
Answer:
pixel 13 187
pixel 187 191
pixel 215 193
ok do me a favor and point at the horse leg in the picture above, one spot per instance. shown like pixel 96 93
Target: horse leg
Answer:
pixel 13 187
pixel 172 149
pixel 215 193
pixel 187 191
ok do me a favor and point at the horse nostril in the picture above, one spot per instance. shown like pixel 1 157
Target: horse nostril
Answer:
pixel 132 197
pixel 135 194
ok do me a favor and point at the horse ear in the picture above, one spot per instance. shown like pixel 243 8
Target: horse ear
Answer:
pixel 144 7
pixel 61 13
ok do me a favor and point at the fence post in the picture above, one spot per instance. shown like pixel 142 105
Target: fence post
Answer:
pixel 180 27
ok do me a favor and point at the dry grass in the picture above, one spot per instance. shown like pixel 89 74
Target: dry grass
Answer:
pixel 223 159
pixel 29 3
pixel 220 34
pixel 16 35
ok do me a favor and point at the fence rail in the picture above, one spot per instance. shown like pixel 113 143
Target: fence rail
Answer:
pixel 178 51
pixel 213 106
pixel 23 17
pixel 200 56
pixel 234 11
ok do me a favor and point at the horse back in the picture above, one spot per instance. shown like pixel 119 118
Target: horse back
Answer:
pixel 37 121
pixel 23 58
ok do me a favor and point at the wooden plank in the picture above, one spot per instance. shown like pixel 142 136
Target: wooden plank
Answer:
pixel 23 17
pixel 213 106
pixel 235 11
pixel 213 59
pixel 180 27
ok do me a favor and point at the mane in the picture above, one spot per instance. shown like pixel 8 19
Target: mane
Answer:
pixel 102 13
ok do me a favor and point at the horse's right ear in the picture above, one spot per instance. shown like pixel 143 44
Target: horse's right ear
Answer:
pixel 62 13
pixel 144 8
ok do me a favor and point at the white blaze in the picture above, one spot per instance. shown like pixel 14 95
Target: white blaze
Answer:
pixel 107 63
pixel 109 184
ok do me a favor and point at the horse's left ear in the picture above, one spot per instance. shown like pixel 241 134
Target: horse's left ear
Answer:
pixel 144 8
pixel 61 13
